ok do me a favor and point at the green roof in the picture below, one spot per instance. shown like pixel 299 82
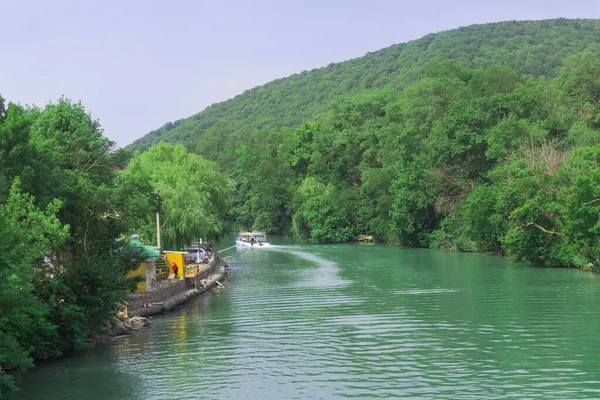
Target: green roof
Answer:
pixel 151 252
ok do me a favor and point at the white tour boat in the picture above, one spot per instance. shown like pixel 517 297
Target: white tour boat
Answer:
pixel 252 239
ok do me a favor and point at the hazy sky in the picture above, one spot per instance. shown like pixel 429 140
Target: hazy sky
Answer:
pixel 138 64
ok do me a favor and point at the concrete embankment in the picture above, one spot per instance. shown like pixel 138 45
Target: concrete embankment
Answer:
pixel 166 298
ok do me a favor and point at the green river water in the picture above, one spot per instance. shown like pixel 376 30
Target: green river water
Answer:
pixel 300 321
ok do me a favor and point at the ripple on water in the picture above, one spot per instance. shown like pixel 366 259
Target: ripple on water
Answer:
pixel 311 322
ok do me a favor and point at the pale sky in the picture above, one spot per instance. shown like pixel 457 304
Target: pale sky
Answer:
pixel 139 64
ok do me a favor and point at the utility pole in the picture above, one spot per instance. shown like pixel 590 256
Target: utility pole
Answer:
pixel 158 230
pixel 157 205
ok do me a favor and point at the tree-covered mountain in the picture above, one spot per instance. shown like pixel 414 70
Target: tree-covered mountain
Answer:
pixel 532 48
pixel 485 138
pixel 464 159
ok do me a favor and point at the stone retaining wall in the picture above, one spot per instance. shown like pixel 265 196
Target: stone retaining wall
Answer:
pixel 138 301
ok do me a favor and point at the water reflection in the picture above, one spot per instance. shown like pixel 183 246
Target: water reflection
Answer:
pixel 302 321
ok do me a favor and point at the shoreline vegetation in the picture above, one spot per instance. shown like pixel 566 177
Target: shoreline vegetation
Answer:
pixel 493 152
pixel 69 202
pixel 142 306
pixel 483 138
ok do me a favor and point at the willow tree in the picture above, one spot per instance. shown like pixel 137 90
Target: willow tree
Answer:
pixel 194 196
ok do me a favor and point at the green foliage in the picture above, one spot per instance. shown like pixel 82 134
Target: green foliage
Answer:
pixel 581 75
pixel 194 194
pixel 494 80
pixel 84 292
pixel 458 140
pixel 19 156
pixel 264 175
pixel 413 196
pixel 320 215
pixel 63 267
pixel 483 138
pixel 70 138
pixel 461 160
pixel 531 48
pixel 27 235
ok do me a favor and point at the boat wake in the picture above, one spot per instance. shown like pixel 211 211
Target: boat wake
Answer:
pixel 326 275
pixel 425 291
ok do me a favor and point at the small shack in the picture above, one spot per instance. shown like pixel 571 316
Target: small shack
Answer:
pixel 147 268
pixel 179 258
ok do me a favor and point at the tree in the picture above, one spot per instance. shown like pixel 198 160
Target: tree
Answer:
pixel 19 156
pixel 63 270
pixel 2 107
pixel 321 213
pixel 265 178
pixel 29 238
pixel 194 195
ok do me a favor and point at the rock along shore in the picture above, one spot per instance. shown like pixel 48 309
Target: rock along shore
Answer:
pixel 160 300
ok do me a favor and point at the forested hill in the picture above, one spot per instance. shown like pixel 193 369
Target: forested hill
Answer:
pixel 532 48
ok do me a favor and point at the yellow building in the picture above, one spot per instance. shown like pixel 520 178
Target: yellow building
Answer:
pixel 179 258
pixel 147 269
pixel 139 272
pixel 156 268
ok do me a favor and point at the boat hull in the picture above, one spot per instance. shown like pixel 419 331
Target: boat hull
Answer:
pixel 256 245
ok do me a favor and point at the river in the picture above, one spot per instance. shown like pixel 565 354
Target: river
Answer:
pixel 300 321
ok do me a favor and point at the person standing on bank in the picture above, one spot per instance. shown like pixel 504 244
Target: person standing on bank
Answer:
pixel 175 267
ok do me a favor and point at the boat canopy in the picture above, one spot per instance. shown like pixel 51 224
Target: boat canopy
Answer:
pixel 248 236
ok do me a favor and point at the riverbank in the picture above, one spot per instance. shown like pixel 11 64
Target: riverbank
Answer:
pixel 141 306
pixel 402 322
pixel 167 298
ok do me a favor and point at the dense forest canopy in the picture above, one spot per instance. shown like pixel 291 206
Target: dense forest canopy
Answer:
pixel 395 145
pixel 194 195
pixel 483 138
pixel 68 205
pixel 463 159
pixel 63 209
pixel 531 48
